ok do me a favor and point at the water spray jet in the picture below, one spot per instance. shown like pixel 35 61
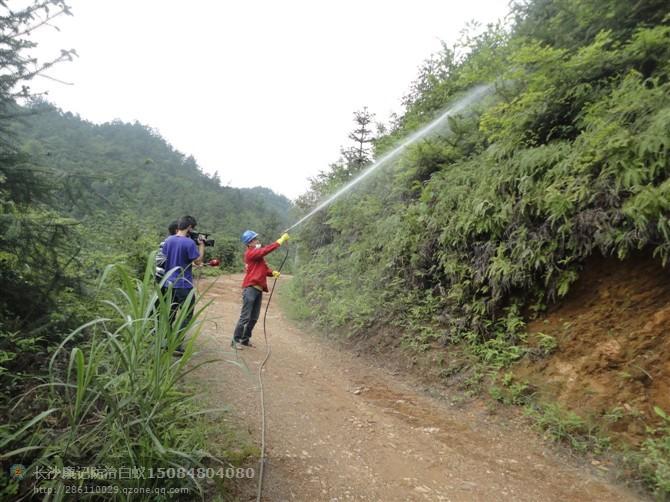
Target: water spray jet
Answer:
pixel 474 95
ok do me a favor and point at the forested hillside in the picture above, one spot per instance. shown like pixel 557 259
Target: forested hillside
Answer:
pixel 118 170
pixel 471 234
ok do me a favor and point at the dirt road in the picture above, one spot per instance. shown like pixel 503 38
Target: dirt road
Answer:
pixel 340 428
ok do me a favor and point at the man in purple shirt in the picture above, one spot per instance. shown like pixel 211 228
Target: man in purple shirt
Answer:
pixel 180 254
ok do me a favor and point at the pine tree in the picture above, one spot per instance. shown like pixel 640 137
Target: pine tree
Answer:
pixel 30 267
pixel 360 154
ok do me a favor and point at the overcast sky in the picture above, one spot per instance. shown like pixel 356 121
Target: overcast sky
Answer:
pixel 262 92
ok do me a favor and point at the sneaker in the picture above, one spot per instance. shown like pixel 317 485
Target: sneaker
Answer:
pixel 237 345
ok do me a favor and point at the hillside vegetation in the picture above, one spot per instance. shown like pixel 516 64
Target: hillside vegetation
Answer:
pixel 127 176
pixel 472 233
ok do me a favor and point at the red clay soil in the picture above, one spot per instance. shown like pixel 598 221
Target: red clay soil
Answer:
pixel 613 356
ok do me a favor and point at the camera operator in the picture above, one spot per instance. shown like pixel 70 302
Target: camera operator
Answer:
pixel 181 252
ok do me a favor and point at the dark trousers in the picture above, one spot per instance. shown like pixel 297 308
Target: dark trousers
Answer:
pixel 251 309
pixel 179 300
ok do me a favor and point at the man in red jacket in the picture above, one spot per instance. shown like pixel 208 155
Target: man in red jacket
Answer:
pixel 254 283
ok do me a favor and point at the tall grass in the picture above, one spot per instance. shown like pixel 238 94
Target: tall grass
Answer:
pixel 115 398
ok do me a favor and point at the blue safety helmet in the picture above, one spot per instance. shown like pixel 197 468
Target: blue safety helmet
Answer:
pixel 248 236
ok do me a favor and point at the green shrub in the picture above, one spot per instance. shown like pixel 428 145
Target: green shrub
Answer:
pixel 567 427
pixel 116 397
pixel 654 461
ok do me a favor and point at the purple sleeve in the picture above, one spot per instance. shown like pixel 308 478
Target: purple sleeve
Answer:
pixel 193 252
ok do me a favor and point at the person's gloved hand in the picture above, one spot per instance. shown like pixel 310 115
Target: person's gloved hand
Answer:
pixel 276 273
pixel 282 239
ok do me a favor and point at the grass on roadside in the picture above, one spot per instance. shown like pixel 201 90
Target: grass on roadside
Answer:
pixel 115 399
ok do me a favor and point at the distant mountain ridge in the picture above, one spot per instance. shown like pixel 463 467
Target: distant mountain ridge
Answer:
pixel 130 168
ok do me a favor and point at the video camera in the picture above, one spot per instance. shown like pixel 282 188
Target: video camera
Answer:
pixel 197 236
